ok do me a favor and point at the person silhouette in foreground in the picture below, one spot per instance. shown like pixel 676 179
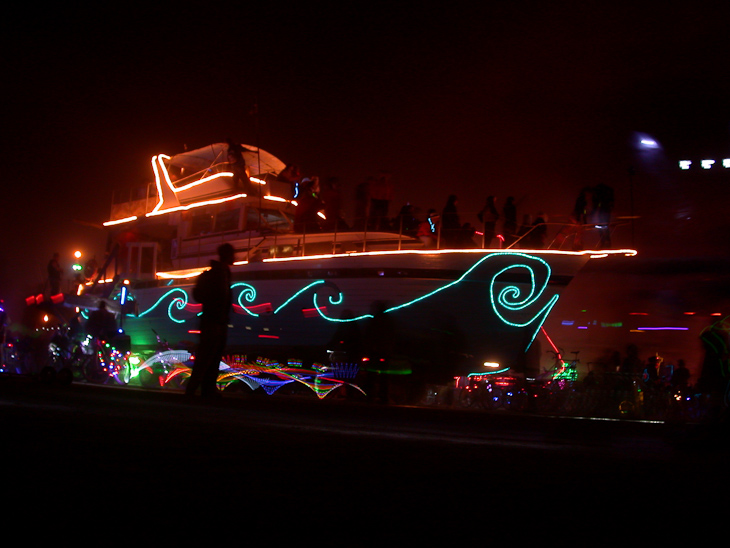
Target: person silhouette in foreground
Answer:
pixel 213 291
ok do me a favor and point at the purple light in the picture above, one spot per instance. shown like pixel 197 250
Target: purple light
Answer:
pixel 663 328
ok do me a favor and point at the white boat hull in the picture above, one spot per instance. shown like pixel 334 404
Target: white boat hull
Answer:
pixel 448 311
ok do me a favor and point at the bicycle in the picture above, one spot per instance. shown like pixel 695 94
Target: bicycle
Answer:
pixel 156 371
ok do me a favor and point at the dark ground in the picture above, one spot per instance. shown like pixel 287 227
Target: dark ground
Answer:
pixel 335 473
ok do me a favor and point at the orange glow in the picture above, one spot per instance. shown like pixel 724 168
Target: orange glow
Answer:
pixel 191 273
pixel 196 204
pixel 120 221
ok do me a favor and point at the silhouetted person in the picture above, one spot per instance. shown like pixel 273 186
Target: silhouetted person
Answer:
pixel 381 193
pixel 380 339
pixel 306 218
pixel 101 323
pixel 428 230
pixel 680 377
pixel 450 223
pixel 241 179
pixel 291 175
pixel 651 371
pixel 578 219
pixel 602 206
pixel 213 291
pixel 489 216
pixel 407 222
pixel 538 235
pixel 330 196
pixel 54 274
pixel 509 225
pixel 715 370
pixel 362 203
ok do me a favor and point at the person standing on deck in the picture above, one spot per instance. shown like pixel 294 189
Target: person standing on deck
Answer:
pixel 54 274
pixel 381 193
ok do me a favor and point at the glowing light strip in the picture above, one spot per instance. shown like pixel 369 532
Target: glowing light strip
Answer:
pixel 509 298
pixel 201 181
pixel 196 204
pixel 120 221
pixel 249 292
pixel 484 373
pixel 290 299
pixel 190 273
pixel 663 328
pixel 179 302
pixel 157 160
pixel 505 294
pixel 625 252
pixel 186 274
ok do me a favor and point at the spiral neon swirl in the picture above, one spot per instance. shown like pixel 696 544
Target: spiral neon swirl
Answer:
pixel 249 293
pixel 178 302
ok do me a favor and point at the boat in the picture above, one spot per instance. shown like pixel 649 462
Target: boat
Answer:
pixel 298 295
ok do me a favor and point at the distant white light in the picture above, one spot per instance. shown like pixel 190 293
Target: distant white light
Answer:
pixel 726 162
pixel 685 164
pixel 649 143
pixel 707 164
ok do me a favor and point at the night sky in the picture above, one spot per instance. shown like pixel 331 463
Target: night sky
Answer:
pixel 529 99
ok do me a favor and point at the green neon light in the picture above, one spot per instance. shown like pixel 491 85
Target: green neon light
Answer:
pixel 484 373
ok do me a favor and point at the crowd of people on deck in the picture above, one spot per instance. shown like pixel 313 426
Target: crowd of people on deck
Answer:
pixel 319 209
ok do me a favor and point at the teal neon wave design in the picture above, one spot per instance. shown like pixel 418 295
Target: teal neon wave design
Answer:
pixel 249 293
pixel 178 302
pixel 509 298
pixel 290 299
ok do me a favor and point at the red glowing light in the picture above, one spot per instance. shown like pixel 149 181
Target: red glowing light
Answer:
pixel 313 312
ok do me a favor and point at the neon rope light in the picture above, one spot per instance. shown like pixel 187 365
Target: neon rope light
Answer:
pixel 529 252
pixel 120 221
pixel 179 302
pixel 249 293
pixel 196 204
pixel 509 298
pixel 505 302
pixel 158 160
pixel 290 299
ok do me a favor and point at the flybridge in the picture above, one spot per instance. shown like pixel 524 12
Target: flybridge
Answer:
pixel 198 178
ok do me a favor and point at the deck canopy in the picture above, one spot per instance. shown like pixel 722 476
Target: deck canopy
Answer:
pixel 259 161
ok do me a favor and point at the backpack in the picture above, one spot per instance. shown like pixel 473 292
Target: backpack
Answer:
pixel 202 289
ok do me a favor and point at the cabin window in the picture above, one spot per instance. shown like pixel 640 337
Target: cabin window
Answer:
pixel 201 223
pixel 269 218
pixel 226 221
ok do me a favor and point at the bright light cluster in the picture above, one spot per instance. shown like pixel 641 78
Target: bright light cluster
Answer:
pixel 704 164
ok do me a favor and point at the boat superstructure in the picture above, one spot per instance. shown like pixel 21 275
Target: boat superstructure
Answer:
pixel 298 294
